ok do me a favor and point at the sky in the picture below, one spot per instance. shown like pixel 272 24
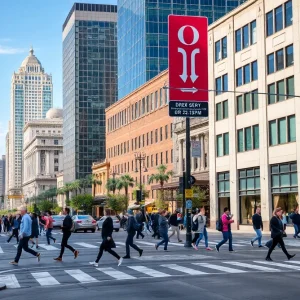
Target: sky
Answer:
pixel 38 23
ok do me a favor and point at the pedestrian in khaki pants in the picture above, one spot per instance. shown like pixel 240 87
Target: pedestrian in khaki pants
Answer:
pixel 173 222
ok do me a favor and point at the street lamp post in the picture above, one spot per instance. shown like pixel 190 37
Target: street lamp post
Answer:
pixel 113 173
pixel 140 157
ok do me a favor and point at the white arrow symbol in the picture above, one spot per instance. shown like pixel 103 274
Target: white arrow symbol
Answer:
pixel 189 90
pixel 183 76
pixel 193 64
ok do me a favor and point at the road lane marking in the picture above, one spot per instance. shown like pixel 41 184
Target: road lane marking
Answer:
pixel 219 268
pixel 86 245
pixel 173 257
pixel 148 271
pixel 44 278
pixel 184 269
pixel 115 274
pixel 145 243
pixel 48 247
pixel 249 266
pixel 278 265
pixel 1 251
pixel 81 276
pixel 10 281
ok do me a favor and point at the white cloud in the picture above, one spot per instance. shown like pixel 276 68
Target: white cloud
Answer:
pixel 10 50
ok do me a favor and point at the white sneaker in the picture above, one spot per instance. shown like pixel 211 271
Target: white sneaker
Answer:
pixel 120 261
pixel 94 264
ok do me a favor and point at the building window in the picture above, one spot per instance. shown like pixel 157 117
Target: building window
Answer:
pixel 151 137
pixel 281 90
pixel 222 110
pixel 147 161
pixel 247 102
pixel 156 159
pixel 166 132
pixel 171 155
pixel 56 169
pixel 222 84
pixel 56 152
pixel 167 158
pixel 56 160
pixel 283 17
pixel 161 158
pixel 223 144
pixel 171 130
pixel 283 58
pixel 246 36
pixel 156 135
pixel 282 130
pixel 161 134
pixel 248 138
pixel 152 161
pixel 43 142
pixel 223 186
pixel 249 192
pixel 246 74
pixel 221 49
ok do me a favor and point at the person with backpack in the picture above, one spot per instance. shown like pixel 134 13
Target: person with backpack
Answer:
pixel 224 225
pixel 295 217
pixel 155 225
pixel 199 227
pixel 258 227
pixel 277 234
pixel 34 230
pixel 67 227
pixel 49 227
pixel 16 227
pixel 173 222
pixel 107 242
pixel 163 230
pixel 132 227
pixel 140 218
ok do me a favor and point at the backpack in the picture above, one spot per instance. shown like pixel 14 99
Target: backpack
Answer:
pixel 195 225
pixel 219 225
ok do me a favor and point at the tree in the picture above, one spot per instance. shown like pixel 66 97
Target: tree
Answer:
pixel 45 205
pixel 125 181
pixel 83 202
pixel 86 182
pixel 161 177
pixel 95 181
pixel 117 203
pixel 111 185
pixel 67 188
pixel 75 186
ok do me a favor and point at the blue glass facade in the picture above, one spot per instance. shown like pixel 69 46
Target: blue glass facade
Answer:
pixel 143 35
pixel 89 86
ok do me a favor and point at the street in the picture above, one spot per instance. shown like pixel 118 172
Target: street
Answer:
pixel 180 273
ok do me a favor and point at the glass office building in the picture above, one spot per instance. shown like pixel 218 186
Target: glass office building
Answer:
pixel 143 35
pixel 89 84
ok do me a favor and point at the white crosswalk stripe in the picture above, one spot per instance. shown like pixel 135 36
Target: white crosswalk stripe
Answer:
pixel 10 281
pixel 86 245
pixel 149 272
pixel 81 276
pixel 176 244
pixel 249 266
pixel 234 244
pixel 1 251
pixel 219 268
pixel 271 263
pixel 115 274
pixel 44 278
pixel 145 243
pixel 184 269
pixel 48 247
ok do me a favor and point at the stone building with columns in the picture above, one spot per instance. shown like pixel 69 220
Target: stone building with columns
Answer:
pixel 199 165
pixel 42 153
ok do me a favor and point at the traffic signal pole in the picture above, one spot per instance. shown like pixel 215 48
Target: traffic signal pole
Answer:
pixel 188 210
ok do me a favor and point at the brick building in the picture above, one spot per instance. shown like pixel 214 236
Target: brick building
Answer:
pixel 140 122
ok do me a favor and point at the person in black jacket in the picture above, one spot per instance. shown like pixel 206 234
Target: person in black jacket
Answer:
pixel 276 234
pixel 173 222
pixel 107 242
pixel 155 225
pixel 66 229
pixel 258 227
pixel 132 227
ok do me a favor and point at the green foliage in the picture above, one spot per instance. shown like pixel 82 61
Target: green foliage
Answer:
pixel 112 184
pixel 82 202
pixel 117 202
pixel 45 205
pixel 200 197
pixel 161 204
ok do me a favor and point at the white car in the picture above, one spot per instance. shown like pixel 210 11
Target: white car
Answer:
pixel 116 223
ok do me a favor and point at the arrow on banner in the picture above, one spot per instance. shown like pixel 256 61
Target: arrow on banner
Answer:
pixel 193 64
pixel 189 90
pixel 183 76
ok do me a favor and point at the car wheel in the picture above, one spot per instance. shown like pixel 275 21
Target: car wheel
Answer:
pixel 117 230
pixel 85 231
pixel 93 230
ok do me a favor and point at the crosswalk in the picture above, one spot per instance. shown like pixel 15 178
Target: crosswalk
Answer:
pixel 58 277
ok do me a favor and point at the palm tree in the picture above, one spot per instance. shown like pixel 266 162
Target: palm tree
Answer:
pixel 125 181
pixel 86 182
pixel 95 181
pixel 75 186
pixel 67 189
pixel 111 185
pixel 161 177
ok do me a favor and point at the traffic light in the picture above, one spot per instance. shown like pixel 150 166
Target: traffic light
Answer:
pixel 138 196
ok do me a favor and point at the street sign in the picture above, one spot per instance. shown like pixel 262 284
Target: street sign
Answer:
pixel 192 180
pixel 188 66
pixel 196 148
pixel 188 193
pixel 188 204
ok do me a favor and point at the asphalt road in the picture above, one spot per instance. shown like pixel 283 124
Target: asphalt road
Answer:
pixel 180 273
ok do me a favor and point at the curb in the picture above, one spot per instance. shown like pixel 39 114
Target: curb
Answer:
pixel 2 286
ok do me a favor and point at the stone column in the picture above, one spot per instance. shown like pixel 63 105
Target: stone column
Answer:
pixel 199 158
pixel 207 148
pixel 180 159
pixel 202 152
pixel 47 162
pixel 60 161
pixel 37 162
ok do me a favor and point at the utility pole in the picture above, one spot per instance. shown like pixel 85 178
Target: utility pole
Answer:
pixel 140 157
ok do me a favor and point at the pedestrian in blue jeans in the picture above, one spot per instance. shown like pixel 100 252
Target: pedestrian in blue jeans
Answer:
pixel 226 231
pixel 163 230
pixel 258 227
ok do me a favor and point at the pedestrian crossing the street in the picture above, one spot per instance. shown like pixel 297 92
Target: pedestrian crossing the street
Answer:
pixel 89 275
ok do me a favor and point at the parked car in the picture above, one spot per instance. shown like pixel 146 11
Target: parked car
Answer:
pixel 84 222
pixel 58 221
pixel 116 223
